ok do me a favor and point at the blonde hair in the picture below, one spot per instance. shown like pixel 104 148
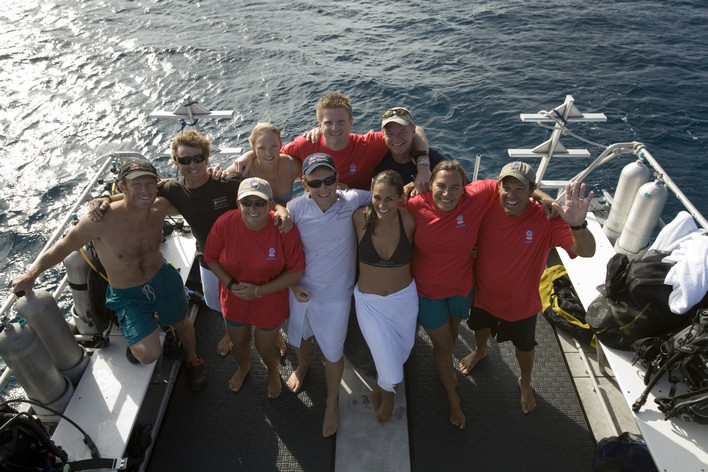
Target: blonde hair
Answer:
pixel 333 100
pixel 261 128
pixel 191 138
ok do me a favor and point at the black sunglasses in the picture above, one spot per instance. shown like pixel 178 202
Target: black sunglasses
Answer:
pixel 186 160
pixel 396 111
pixel 318 183
pixel 259 202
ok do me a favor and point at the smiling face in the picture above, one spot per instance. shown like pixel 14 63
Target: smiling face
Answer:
pixel 255 217
pixel 194 173
pixel 385 199
pixel 325 195
pixel 514 196
pixel 267 146
pixel 139 192
pixel 335 125
pixel 447 187
pixel 399 138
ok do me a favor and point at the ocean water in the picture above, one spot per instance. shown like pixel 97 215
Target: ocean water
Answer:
pixel 79 78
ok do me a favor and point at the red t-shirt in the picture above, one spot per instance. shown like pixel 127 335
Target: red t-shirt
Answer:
pixel 512 256
pixel 443 241
pixel 256 257
pixel 355 163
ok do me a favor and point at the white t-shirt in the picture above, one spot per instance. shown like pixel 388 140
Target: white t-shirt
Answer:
pixel 329 241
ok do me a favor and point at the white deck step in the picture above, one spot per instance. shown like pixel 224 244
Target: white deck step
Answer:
pixel 362 443
pixel 108 397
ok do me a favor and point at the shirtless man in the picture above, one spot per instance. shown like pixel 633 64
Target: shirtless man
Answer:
pixel 128 240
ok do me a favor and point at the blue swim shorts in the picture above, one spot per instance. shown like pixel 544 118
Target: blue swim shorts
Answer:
pixel 433 314
pixel 136 307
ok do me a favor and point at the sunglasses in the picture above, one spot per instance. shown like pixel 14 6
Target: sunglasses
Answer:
pixel 186 160
pixel 259 202
pixel 397 112
pixel 318 183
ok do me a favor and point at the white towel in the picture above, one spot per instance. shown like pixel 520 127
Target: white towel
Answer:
pixel 689 275
pixel 388 325
pixel 326 320
pixel 670 235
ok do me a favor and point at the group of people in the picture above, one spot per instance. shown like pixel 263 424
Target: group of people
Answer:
pixel 445 252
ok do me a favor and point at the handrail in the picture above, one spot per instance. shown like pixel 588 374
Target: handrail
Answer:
pixel 110 159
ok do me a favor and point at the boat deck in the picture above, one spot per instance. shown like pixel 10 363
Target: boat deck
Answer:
pixel 218 430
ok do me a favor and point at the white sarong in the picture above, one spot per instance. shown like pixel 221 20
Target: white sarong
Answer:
pixel 326 320
pixel 388 324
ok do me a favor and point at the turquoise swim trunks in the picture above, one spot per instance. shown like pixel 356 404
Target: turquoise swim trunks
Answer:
pixel 135 307
pixel 433 314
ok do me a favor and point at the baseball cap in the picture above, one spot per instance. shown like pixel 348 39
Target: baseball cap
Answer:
pixel 255 186
pixel 399 115
pixel 519 170
pixel 137 168
pixel 316 160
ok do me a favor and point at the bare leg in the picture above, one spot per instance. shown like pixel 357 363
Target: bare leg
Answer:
pixel 241 340
pixel 185 333
pixel 333 372
pixel 386 409
pixel 267 348
pixel 297 378
pixel 528 400
pixel 224 347
pixel 442 346
pixel 468 362
pixel 282 347
pixel 148 349
pixel 376 400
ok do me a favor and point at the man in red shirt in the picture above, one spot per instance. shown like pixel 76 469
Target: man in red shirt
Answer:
pixel 355 155
pixel 514 239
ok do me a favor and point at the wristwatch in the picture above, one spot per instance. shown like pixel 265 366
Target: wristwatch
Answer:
pixel 580 227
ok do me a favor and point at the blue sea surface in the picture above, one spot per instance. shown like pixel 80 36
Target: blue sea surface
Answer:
pixel 79 78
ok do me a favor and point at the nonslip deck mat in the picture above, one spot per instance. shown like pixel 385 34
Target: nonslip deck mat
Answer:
pixel 215 429
pixel 498 436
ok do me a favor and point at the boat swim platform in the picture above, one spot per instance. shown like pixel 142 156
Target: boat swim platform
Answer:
pixel 216 429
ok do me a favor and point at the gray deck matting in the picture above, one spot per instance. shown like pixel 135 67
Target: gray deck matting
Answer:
pixel 498 436
pixel 218 430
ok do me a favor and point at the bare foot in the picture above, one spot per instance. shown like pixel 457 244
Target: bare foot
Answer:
pixel 457 417
pixel 470 361
pixel 282 347
pixel 224 347
pixel 528 400
pixel 385 411
pixel 275 385
pixel 236 380
pixel 297 378
pixel 330 425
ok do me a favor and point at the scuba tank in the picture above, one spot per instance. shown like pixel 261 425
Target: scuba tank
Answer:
pixel 41 311
pixel 633 176
pixel 31 364
pixel 89 314
pixel 642 219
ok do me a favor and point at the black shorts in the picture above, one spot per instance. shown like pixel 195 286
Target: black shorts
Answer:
pixel 521 333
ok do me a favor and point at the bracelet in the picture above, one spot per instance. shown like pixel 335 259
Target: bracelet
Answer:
pixel 255 292
pixel 581 227
pixel 106 195
pixel 230 284
pixel 423 161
